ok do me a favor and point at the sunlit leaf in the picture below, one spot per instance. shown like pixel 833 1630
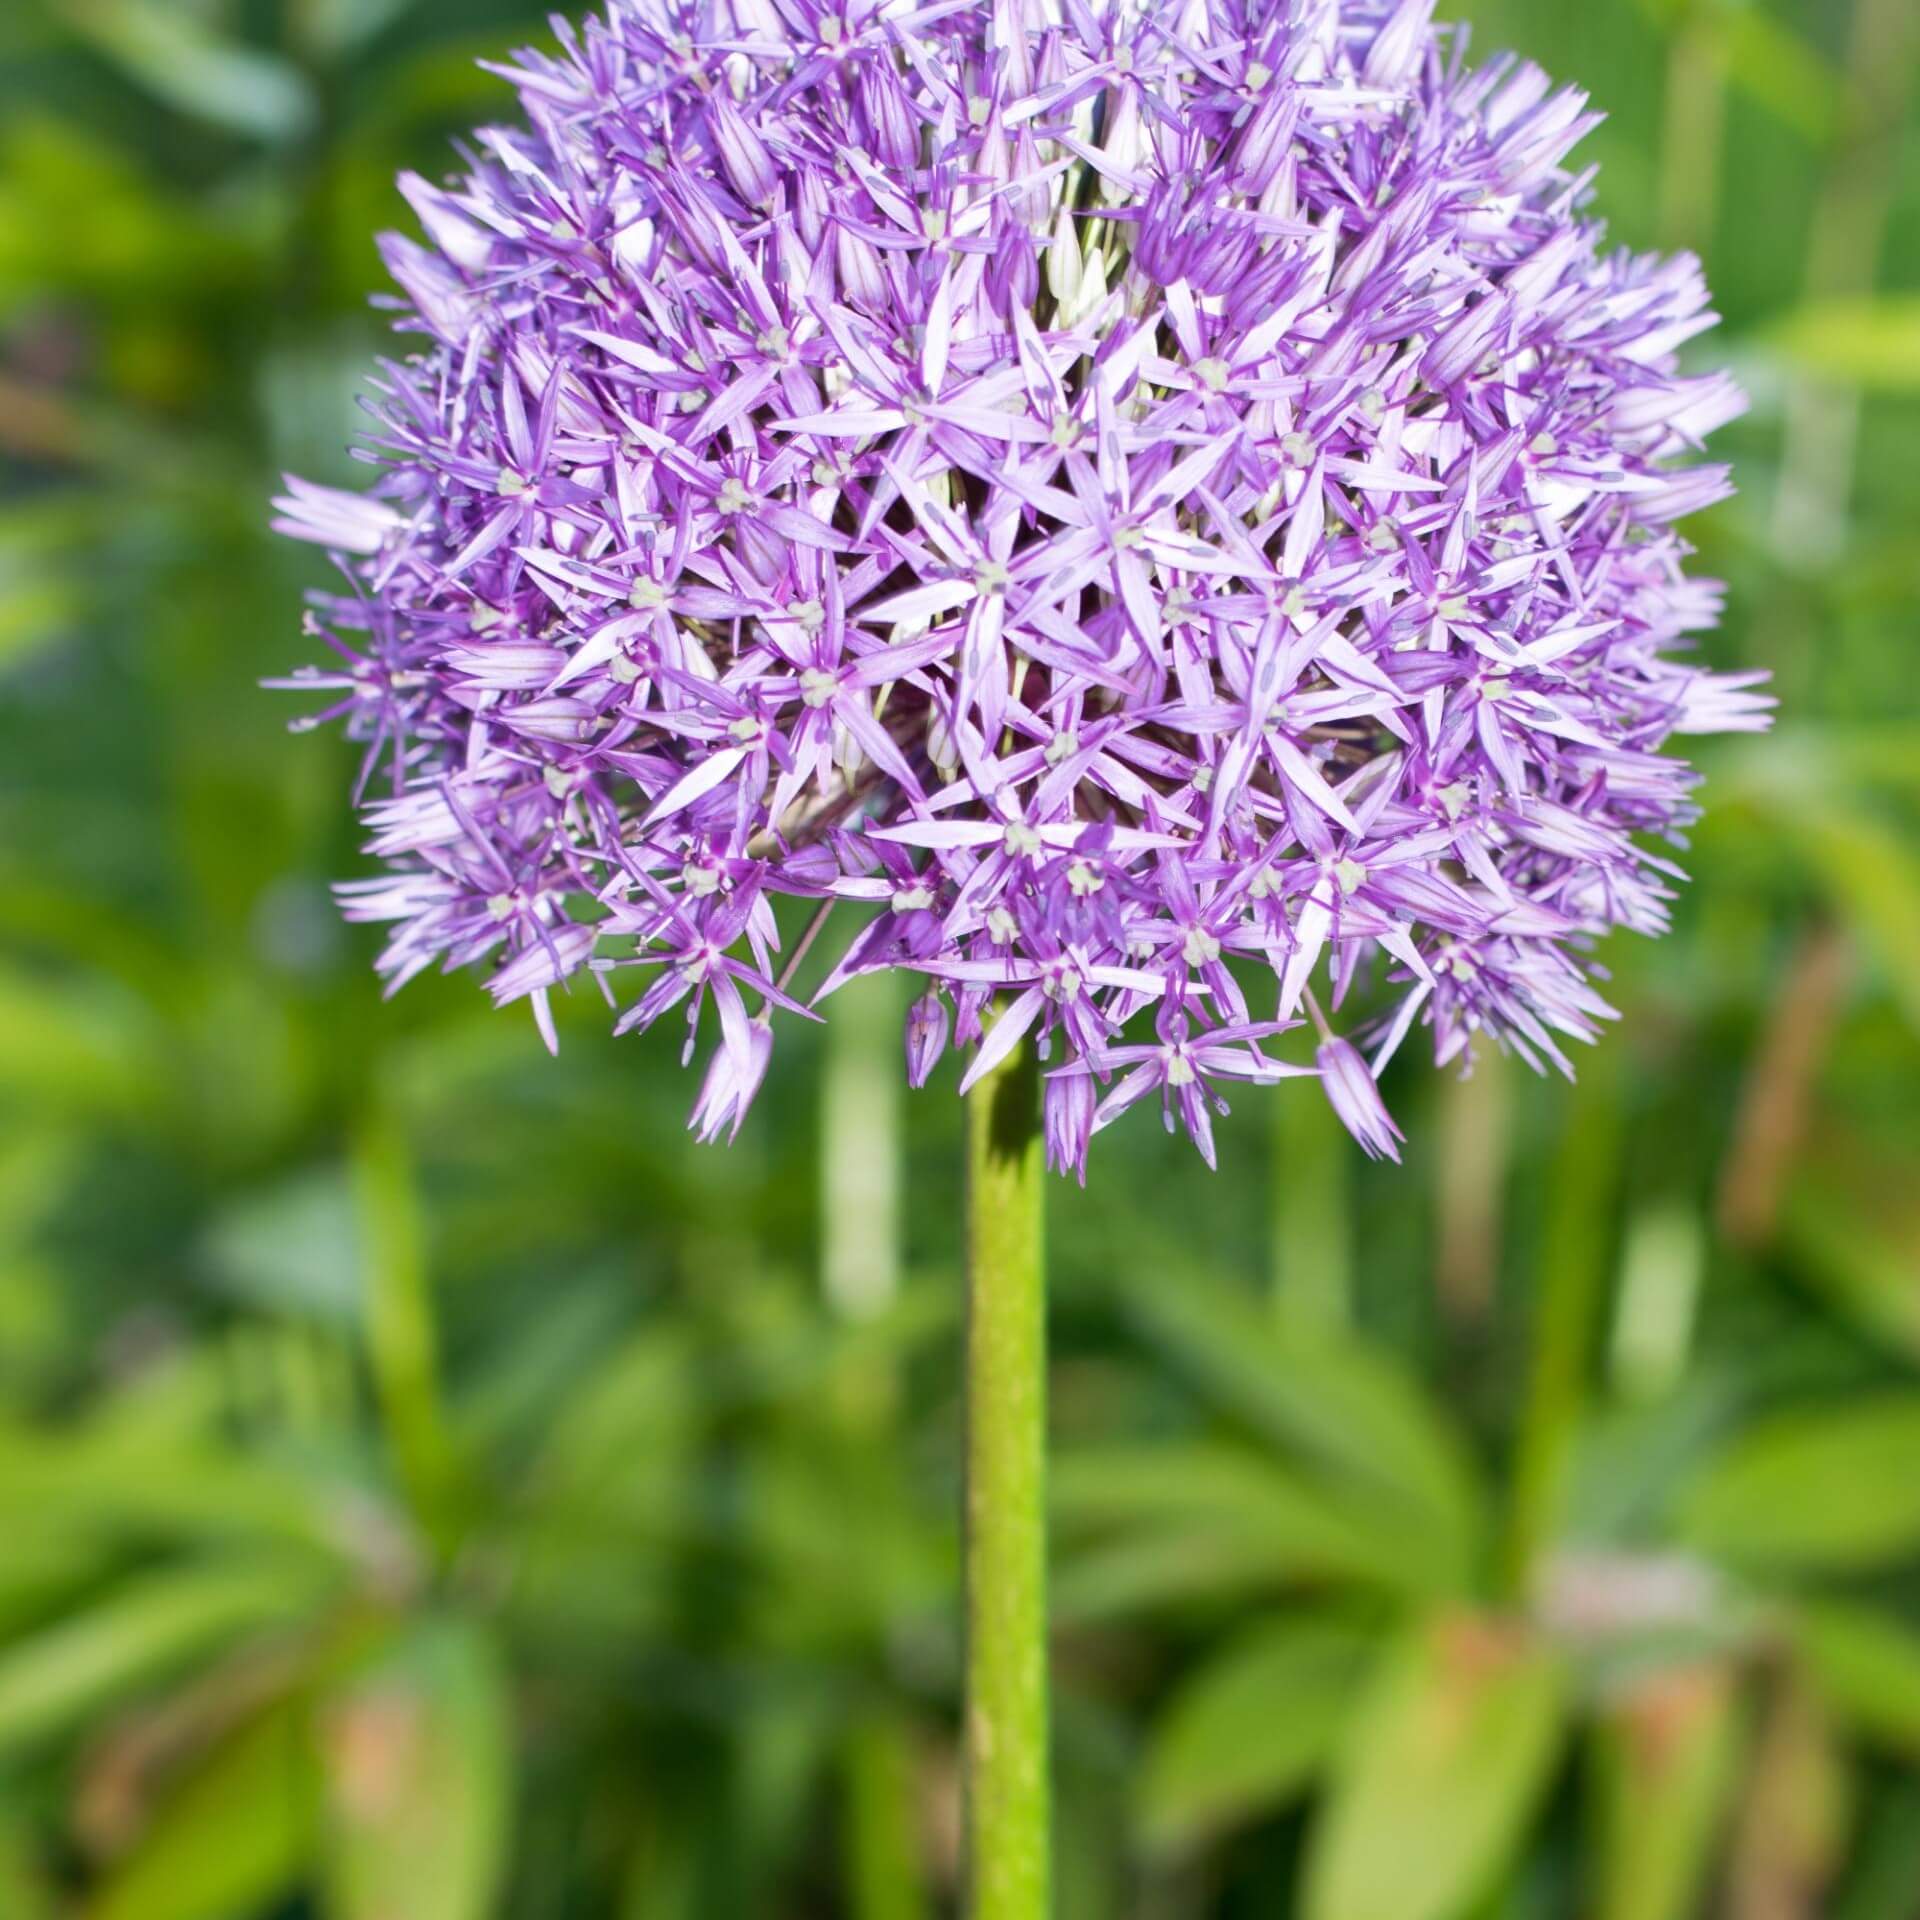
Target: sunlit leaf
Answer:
pixel 419 1780
pixel 78 1046
pixel 131 1484
pixel 1452 1750
pixel 34 615
pixel 292 1249
pixel 622 1424
pixel 1784 72
pixel 1250 1728
pixel 1871 343
pixel 402 1331
pixel 1344 1407
pixel 1836 1487
pixel 1170 1564
pixel 1795 1798
pixel 26 1890
pixel 232 1838
pixel 1867 1662
pixel 1874 875
pixel 885 1874
pixel 41 1571
pixel 1867 1264
pixel 1664 1757
pixel 337 27
pixel 1766 59
pixel 144 1631
pixel 1234 1490
pixel 182 62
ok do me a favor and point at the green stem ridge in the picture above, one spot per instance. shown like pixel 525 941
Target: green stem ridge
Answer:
pixel 1007 1788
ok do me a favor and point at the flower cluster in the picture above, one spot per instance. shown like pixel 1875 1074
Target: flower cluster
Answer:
pixel 1112 495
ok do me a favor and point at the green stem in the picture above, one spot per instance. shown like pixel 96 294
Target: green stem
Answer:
pixel 1006 1726
pixel 860 1158
pixel 1311 1225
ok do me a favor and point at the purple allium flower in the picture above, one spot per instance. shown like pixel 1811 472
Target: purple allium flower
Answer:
pixel 1114 496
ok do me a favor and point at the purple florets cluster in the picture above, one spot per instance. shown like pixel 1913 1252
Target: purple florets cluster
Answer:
pixel 1112 495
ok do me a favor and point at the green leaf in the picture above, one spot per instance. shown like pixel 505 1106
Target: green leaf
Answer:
pixel 1870 868
pixel 1774 65
pixel 1232 1490
pixel 1885 1864
pixel 419 1772
pixel 1453 1748
pixel 74 1046
pixel 292 1248
pixel 1169 1565
pixel 234 1837
pixel 1844 1244
pixel 335 28
pixel 25 1891
pixel 146 1630
pixel 131 1484
pixel 1250 1729
pixel 1343 1408
pixel 1784 72
pixel 1868 1665
pixel 1664 1761
pixel 182 63
pixel 1872 342
pixel 1837 1488
pixel 46 1572
pixel 884 1872
pixel 402 1334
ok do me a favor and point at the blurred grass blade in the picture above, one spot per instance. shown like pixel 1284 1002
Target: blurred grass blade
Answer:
pixel 146 1630
pixel 1665 1758
pixel 292 1249
pixel 1871 870
pixel 1791 1834
pixel 1867 1664
pixel 233 1839
pixel 1783 72
pixel 1576 1250
pixel 184 64
pixel 882 1820
pixel 1835 1488
pixel 402 1342
pixel 26 1893
pixel 662 1877
pixel 1871 342
pixel 1200 1487
pixel 336 28
pixel 1864 1262
pixel 1774 66
pixel 1170 1565
pixel 1885 1867
pixel 132 1485
pixel 79 1046
pixel 419 1780
pixel 42 580
pixel 1312 1212
pixel 1344 1406
pixel 1453 1749
pixel 1250 1728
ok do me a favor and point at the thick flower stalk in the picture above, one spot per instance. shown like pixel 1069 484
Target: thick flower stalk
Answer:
pixel 1117 497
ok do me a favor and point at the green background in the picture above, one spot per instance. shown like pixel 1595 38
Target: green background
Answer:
pixel 430 1487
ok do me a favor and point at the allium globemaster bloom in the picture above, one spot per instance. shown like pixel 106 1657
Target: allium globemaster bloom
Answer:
pixel 1121 498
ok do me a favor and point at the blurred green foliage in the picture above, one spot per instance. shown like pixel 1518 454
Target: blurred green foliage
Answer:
pixel 432 1489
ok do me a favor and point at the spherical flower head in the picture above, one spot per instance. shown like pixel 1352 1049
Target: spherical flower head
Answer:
pixel 1109 500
